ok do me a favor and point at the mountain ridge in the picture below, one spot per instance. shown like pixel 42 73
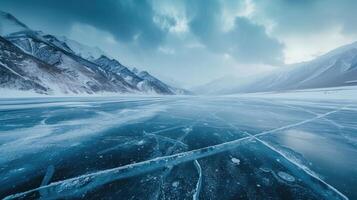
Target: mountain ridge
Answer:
pixel 78 64
pixel 336 68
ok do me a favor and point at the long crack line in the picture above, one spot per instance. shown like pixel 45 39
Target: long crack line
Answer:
pixel 286 157
pixel 308 111
pixel 74 186
pixel 172 149
pixel 196 195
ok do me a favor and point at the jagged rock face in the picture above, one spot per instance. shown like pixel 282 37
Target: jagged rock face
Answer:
pixel 84 76
pixel 32 43
pixel 81 50
pixel 150 80
pixel 14 66
pixel 54 74
pixel 112 65
pixel 58 43
pixel 142 80
pixel 79 69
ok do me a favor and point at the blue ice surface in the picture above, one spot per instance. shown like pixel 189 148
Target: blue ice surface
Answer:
pixel 177 148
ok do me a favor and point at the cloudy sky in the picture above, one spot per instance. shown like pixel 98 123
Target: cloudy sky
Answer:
pixel 192 42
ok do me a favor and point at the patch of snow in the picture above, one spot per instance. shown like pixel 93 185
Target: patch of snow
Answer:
pixel 235 161
pixel 141 142
pixel 84 51
pixel 7 67
pixel 175 184
pixel 187 130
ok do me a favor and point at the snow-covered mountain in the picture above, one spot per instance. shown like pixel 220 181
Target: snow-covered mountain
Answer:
pixel 15 65
pixel 79 68
pixel 334 69
pixel 84 51
pixel 59 74
pixel 149 80
pixel 141 79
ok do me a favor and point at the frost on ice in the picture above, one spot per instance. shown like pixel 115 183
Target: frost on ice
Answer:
pixel 180 156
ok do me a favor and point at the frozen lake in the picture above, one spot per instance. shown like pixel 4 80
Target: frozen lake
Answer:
pixel 177 148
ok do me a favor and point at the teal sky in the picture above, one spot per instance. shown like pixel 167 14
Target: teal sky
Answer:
pixel 192 42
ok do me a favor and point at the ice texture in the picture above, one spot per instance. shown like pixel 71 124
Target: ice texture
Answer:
pixel 286 176
pixel 163 147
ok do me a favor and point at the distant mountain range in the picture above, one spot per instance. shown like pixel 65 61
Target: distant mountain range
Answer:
pixel 47 64
pixel 334 69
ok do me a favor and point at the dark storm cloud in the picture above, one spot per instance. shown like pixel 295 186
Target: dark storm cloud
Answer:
pixel 246 41
pixel 128 21
pixel 132 22
pixel 140 24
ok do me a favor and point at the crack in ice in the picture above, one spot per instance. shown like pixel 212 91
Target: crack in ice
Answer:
pixel 73 187
pixel 166 129
pixel 307 111
pixel 332 122
pixel 305 169
pixel 199 181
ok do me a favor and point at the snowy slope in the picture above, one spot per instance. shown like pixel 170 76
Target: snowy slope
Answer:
pixel 81 69
pixel 114 66
pixel 25 72
pixel 142 80
pixel 85 76
pixel 334 69
pixel 84 51
pixel 14 68
pixel 152 84
pixel 150 81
